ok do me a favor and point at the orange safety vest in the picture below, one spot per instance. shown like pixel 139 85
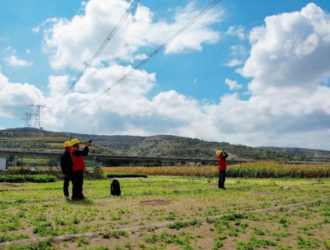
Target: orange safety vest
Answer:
pixel 222 165
pixel 78 162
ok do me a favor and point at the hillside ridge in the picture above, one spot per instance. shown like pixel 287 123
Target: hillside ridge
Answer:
pixel 153 146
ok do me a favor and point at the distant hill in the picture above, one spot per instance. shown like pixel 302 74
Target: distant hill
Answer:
pixel 152 146
pixel 302 151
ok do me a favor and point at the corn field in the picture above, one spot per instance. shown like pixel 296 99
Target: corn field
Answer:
pixel 245 170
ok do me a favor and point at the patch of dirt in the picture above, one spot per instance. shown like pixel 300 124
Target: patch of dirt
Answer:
pixel 155 202
pixel 262 192
pixel 7 184
pixel 170 187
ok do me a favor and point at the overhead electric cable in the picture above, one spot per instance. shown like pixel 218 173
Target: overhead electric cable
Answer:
pixel 159 49
pixel 98 52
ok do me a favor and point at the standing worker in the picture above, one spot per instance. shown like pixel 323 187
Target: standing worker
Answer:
pixel 222 167
pixel 66 166
pixel 77 157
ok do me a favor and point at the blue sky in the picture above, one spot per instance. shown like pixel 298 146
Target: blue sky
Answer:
pixel 196 75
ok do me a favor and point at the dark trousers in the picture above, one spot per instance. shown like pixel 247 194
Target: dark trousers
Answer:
pixel 78 181
pixel 67 184
pixel 222 178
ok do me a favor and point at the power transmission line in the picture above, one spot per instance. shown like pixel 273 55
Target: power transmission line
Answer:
pixel 27 118
pixel 38 108
pixel 98 52
pixel 154 53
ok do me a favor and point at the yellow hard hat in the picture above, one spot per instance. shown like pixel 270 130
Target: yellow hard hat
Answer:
pixel 67 144
pixel 218 153
pixel 74 142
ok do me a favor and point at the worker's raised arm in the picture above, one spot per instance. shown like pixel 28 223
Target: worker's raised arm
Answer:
pixel 224 155
pixel 82 152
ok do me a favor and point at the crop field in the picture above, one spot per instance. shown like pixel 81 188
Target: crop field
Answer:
pixel 168 213
pixel 250 170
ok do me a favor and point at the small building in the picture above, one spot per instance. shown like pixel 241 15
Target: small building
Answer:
pixel 3 163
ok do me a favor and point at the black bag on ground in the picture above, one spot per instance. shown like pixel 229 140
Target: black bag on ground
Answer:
pixel 115 188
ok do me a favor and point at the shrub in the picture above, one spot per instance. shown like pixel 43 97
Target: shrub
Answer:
pixel 27 178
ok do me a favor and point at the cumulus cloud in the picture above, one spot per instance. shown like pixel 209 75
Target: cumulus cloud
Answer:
pixel 287 64
pixel 234 63
pixel 43 24
pixel 233 84
pixel 14 61
pixel 15 96
pixel 290 52
pixel 70 47
pixel 58 85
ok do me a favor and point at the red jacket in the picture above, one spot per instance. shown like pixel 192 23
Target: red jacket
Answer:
pixel 78 161
pixel 222 165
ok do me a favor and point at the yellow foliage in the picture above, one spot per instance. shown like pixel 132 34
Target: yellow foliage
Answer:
pixel 251 170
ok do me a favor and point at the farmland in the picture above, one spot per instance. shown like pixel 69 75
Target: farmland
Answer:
pixel 250 170
pixel 168 212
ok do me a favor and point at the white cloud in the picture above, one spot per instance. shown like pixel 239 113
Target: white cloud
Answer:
pixel 58 85
pixel 140 56
pixel 28 51
pixel 290 53
pixel 15 97
pixel 9 50
pixel 14 61
pixel 43 24
pixel 195 80
pixel 70 47
pixel 236 31
pixel 238 50
pixel 3 38
pixel 233 84
pixel 36 29
pixel 234 63
pixel 287 64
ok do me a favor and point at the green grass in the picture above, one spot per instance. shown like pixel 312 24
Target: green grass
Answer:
pixel 194 209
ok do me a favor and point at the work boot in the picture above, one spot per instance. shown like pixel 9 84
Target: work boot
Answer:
pixel 224 188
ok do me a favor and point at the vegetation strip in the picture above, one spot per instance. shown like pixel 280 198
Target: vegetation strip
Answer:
pixel 64 238
pixel 42 178
pixel 244 170
pixel 124 175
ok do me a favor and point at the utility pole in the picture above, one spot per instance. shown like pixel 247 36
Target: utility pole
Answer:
pixel 27 118
pixel 38 108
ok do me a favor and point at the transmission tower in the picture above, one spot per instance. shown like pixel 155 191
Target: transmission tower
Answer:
pixel 27 118
pixel 37 108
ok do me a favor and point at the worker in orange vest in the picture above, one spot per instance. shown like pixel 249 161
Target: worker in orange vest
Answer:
pixel 222 167
pixel 78 168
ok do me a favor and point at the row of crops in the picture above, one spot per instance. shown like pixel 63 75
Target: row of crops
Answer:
pixel 27 178
pixel 245 170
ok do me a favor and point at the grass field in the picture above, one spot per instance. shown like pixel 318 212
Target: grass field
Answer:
pixel 169 213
